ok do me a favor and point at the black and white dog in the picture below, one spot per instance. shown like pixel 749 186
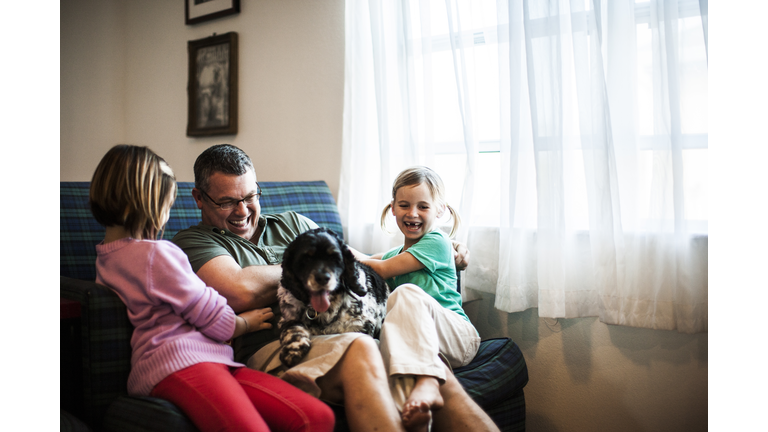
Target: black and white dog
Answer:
pixel 325 290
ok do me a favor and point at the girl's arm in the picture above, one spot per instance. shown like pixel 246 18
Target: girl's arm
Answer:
pixel 172 281
pixel 361 256
pixel 460 256
pixel 395 266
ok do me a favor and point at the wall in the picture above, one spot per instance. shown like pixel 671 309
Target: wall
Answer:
pixel 588 376
pixel 92 85
pixel 123 79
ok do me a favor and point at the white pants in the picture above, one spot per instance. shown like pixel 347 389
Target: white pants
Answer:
pixel 416 330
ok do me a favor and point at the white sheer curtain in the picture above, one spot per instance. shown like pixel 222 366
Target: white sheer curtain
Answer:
pixel 571 135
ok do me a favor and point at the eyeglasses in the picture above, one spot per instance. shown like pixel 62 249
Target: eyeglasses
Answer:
pixel 229 205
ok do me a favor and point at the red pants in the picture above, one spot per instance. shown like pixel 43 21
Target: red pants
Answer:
pixel 219 399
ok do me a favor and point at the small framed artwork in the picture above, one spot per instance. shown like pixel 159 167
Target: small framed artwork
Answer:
pixel 196 11
pixel 212 86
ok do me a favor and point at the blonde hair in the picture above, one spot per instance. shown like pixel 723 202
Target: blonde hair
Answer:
pixel 134 188
pixel 415 176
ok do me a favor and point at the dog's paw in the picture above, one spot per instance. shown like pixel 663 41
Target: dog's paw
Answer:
pixel 295 344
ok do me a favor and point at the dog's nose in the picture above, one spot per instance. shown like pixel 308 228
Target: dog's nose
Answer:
pixel 322 278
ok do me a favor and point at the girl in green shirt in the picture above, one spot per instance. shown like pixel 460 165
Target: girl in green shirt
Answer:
pixel 425 324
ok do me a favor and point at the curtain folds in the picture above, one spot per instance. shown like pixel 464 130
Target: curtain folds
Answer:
pixel 571 135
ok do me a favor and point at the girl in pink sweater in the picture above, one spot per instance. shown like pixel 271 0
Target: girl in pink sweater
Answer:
pixel 181 325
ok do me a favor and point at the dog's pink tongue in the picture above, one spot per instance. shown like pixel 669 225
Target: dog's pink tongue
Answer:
pixel 321 302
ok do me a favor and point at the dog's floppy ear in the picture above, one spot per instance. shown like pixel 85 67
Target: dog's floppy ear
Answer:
pixel 288 280
pixel 350 273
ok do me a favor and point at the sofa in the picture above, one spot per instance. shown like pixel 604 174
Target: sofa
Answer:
pixel 95 330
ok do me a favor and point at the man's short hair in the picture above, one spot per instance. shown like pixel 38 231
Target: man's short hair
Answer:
pixel 223 158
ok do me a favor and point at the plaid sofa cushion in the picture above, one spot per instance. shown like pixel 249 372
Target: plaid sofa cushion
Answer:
pixel 509 415
pixel 497 372
pixel 495 379
pixel 311 199
pixel 143 414
pixel 70 423
pixel 105 346
pixel 80 232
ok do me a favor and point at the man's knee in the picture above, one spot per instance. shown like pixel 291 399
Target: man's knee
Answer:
pixel 364 350
pixel 452 389
pixel 363 344
pixel 360 365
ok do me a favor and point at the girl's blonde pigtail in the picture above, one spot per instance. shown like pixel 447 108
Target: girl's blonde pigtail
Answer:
pixel 384 215
pixel 456 220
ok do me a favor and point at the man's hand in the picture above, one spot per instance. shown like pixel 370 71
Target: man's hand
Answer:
pixel 460 256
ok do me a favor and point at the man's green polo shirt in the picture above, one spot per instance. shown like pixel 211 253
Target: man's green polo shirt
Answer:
pixel 203 243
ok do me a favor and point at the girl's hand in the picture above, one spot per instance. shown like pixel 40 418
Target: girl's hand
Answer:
pixel 361 256
pixel 460 256
pixel 253 320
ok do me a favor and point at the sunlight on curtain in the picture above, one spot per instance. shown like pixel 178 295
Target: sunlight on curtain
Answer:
pixel 571 135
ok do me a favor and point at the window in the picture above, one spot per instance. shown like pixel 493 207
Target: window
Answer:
pixel 573 142
pixel 478 42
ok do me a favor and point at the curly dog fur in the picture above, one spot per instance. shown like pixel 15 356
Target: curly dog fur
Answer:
pixel 325 290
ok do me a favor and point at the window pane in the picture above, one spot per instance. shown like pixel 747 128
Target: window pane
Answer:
pixel 695 167
pixel 486 204
pixel 693 76
pixel 644 81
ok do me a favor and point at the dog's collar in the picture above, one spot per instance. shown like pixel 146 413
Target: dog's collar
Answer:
pixel 306 312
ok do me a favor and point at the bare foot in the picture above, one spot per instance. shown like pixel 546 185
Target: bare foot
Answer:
pixel 416 416
pixel 425 398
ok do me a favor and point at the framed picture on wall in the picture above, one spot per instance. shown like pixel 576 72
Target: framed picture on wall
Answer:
pixel 212 86
pixel 196 11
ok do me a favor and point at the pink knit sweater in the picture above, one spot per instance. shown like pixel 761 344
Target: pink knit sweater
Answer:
pixel 178 320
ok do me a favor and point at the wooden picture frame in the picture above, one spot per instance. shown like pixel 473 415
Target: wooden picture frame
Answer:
pixel 212 86
pixel 196 11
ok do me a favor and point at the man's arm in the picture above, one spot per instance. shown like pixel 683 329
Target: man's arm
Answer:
pixel 244 288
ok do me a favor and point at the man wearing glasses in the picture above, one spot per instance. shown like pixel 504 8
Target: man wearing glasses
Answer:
pixel 238 251
pixel 235 248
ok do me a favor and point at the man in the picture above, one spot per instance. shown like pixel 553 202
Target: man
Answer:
pixel 237 251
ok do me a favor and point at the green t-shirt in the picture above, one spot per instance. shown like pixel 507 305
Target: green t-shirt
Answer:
pixel 203 243
pixel 438 277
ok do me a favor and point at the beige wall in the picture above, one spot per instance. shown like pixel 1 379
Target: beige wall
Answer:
pixel 123 79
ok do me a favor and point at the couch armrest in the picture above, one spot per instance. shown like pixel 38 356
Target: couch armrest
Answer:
pixel 497 372
pixel 105 346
